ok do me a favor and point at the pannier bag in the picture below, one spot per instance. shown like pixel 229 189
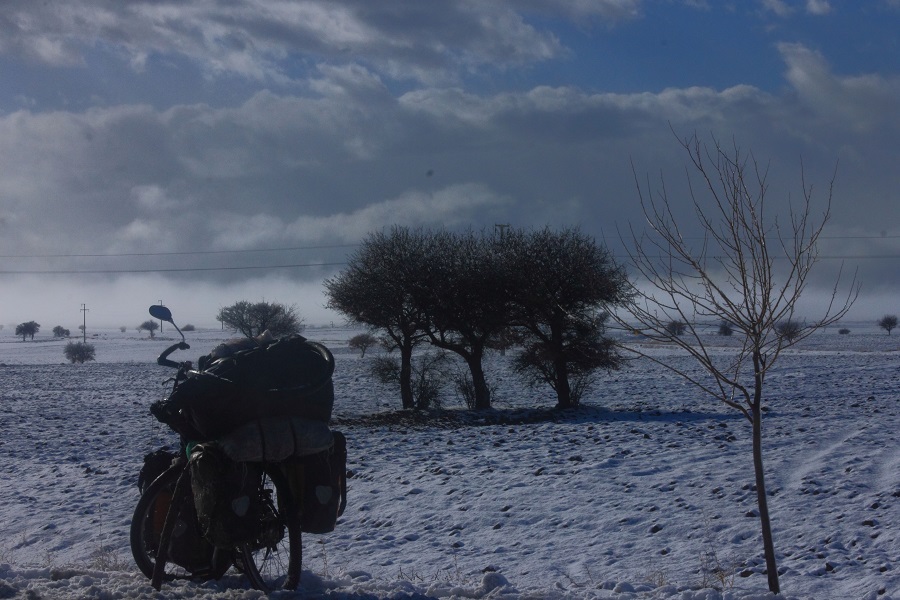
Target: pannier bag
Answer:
pixel 290 377
pixel 187 547
pixel 155 464
pixel 319 481
pixel 226 496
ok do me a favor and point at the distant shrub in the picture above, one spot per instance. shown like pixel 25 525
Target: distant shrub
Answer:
pixel 465 388
pixel 429 374
pixel 123 329
pixel 888 322
pixel 79 352
pixel 60 331
pixel 362 342
pixel 676 328
pixel 188 327
pixel 726 328
pixel 789 329
pixel 843 331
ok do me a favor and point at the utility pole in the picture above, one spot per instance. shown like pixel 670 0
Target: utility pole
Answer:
pixel 502 227
pixel 84 311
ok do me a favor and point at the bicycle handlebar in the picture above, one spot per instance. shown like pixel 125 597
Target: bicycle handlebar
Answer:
pixel 163 359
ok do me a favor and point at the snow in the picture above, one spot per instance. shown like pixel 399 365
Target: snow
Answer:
pixel 644 492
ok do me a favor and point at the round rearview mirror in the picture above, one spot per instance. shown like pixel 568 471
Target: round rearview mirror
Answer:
pixel 157 311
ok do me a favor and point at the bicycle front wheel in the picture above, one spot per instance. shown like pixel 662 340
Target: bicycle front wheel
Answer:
pixel 273 560
pixel 189 555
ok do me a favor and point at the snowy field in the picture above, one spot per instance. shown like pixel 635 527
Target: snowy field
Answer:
pixel 645 492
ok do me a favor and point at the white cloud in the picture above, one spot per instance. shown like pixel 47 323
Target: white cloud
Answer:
pixel 779 7
pixel 818 7
pixel 858 103
pixel 453 206
pixel 256 39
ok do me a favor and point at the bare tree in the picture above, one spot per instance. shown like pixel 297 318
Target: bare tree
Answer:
pixel 376 289
pixel 362 342
pixel 749 270
pixel 148 325
pixel 561 283
pixel 253 318
pixel 465 298
pixel 888 322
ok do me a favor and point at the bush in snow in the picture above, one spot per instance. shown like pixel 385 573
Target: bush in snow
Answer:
pixel 79 352
pixel 428 377
pixel 675 328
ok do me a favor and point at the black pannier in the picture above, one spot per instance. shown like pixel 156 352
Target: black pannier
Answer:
pixel 320 482
pixel 155 464
pixel 226 496
pixel 289 377
pixel 187 548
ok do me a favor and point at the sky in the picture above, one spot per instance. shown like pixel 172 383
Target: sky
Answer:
pixel 201 153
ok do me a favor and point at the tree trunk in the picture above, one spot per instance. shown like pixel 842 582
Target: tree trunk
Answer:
pixel 761 498
pixel 406 393
pixel 482 392
pixel 563 389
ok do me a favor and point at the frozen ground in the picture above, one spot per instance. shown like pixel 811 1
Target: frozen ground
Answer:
pixel 645 492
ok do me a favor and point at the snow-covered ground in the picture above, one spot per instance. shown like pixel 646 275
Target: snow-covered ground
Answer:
pixel 645 492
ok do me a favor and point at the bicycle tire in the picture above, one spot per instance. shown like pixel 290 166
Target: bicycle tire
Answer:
pixel 146 525
pixel 274 563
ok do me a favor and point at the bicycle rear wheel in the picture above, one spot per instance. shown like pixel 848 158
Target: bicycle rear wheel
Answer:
pixel 273 560
pixel 189 555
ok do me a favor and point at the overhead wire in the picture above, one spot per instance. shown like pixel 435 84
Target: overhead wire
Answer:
pixel 77 271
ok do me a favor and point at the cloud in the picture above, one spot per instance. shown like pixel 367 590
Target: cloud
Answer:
pixel 610 11
pixel 818 7
pixel 347 152
pixel 262 39
pixel 778 7
pixel 859 103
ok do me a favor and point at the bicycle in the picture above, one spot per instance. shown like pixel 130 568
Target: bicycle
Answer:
pixel 166 537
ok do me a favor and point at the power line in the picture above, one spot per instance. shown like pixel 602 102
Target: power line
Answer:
pixel 186 253
pixel 173 270
pixel 331 247
pixel 329 264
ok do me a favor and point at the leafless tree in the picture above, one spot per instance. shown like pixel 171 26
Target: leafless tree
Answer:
pixel 376 289
pixel 888 322
pixel 748 269
pixel 253 318
pixel 148 325
pixel 561 286
pixel 362 342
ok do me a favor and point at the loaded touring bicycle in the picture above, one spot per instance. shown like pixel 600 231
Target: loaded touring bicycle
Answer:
pixel 257 464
